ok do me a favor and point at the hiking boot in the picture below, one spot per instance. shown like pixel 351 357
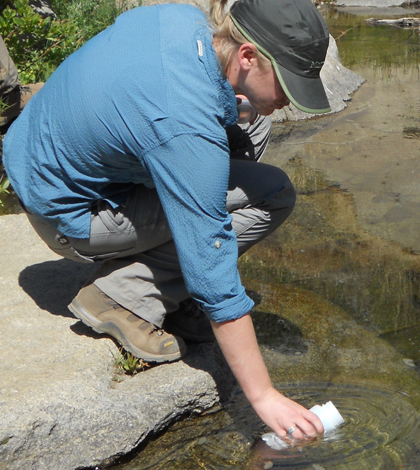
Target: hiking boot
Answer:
pixel 190 322
pixel 143 339
pixel 14 101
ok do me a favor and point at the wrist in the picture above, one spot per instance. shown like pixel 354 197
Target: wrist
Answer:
pixel 257 397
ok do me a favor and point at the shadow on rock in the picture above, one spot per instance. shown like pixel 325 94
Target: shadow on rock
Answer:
pixel 274 331
pixel 83 330
pixel 53 284
pixel 209 358
pixel 278 333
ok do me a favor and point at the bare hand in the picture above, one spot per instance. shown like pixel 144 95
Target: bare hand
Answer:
pixel 281 414
pixel 239 345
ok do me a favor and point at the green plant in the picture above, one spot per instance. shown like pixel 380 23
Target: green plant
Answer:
pixel 4 184
pixel 3 105
pixel 37 45
pixel 91 16
pixel 128 364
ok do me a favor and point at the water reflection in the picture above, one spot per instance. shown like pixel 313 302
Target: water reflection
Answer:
pixel 372 147
pixel 380 47
pixel 323 255
pixel 331 301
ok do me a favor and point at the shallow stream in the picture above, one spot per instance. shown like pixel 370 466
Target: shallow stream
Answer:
pixel 337 288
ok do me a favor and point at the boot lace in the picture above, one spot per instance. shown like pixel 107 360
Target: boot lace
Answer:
pixel 157 330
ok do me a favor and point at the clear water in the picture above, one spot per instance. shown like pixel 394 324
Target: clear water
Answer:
pixel 381 432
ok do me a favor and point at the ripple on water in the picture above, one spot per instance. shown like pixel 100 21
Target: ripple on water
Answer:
pixel 382 431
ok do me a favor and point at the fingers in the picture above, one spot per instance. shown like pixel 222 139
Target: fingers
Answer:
pixel 287 418
pixel 302 430
pixel 301 424
pixel 296 432
pixel 315 421
pixel 309 426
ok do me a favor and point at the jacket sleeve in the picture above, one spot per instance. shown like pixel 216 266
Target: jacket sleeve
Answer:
pixel 191 175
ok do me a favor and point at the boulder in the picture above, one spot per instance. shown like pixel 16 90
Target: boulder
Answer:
pixel 43 8
pixel 339 82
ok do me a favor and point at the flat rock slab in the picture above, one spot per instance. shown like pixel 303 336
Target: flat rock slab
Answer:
pixel 376 3
pixel 59 406
pixel 379 12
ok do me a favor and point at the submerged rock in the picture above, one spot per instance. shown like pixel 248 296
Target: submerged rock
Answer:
pixel 409 362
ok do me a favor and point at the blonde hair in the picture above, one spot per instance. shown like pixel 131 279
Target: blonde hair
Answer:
pixel 228 35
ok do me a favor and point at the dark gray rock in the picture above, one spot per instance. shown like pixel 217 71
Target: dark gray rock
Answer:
pixel 381 12
pixel 43 8
pixel 376 3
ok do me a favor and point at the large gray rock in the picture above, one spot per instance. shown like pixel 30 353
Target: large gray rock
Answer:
pixel 43 8
pixel 338 81
pixel 59 407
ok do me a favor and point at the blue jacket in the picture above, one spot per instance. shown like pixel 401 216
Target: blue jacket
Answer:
pixel 143 102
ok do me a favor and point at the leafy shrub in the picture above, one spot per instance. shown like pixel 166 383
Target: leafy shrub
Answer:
pixel 37 45
pixel 91 16
pixel 4 184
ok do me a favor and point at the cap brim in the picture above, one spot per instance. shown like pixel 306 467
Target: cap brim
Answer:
pixel 307 94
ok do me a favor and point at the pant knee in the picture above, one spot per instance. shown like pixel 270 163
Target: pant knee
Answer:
pixel 280 194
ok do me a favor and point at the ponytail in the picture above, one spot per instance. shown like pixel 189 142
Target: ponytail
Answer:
pixel 217 8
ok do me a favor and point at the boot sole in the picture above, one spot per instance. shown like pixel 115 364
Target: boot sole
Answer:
pixel 112 329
